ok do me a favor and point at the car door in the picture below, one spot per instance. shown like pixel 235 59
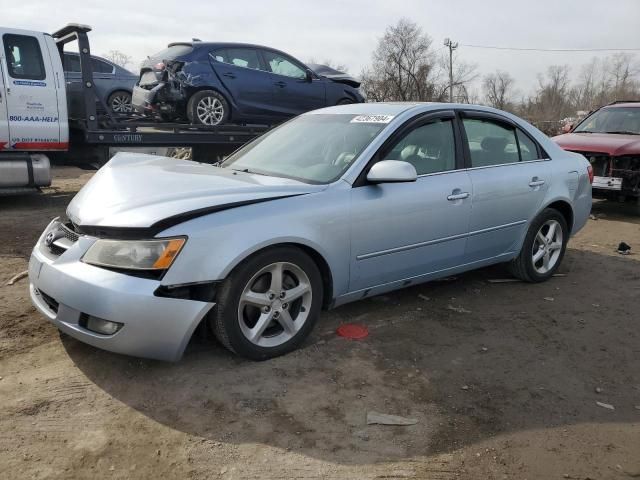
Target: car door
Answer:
pixel 403 231
pixel 30 88
pixel 73 84
pixel 243 75
pixel 510 177
pixel 104 76
pixel 293 92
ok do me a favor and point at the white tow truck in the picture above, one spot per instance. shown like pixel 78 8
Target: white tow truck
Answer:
pixel 34 120
pixel 33 108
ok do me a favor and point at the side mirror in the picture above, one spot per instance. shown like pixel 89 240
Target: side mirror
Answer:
pixel 392 171
pixel 308 75
pixel 567 127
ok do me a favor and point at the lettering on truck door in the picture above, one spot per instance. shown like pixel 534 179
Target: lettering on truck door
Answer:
pixel 31 99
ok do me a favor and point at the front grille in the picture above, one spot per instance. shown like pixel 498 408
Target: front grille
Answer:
pixel 62 231
pixel 601 162
pixel 69 233
pixel 51 303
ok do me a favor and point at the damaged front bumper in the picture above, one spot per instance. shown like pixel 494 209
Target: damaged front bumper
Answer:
pixel 69 292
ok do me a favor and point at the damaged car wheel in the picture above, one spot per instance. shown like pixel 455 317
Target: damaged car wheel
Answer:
pixel 269 304
pixel 207 107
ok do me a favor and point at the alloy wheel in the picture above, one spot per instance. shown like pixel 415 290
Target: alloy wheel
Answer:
pixel 547 247
pixel 121 104
pixel 275 304
pixel 210 111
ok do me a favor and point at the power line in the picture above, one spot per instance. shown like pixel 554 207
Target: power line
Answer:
pixel 494 47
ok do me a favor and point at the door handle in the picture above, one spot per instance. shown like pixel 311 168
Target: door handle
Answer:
pixel 280 84
pixel 535 182
pixel 458 196
pixel 229 75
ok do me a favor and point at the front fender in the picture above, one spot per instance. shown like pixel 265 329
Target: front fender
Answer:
pixel 217 243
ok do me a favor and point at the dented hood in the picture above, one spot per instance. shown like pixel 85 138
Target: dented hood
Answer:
pixel 334 75
pixel 609 143
pixel 142 191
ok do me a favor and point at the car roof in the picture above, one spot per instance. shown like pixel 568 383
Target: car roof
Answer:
pixel 198 44
pixel 630 103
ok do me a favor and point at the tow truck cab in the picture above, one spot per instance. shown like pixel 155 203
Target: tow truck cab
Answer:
pixel 33 108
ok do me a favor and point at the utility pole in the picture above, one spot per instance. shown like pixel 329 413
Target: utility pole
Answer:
pixel 452 46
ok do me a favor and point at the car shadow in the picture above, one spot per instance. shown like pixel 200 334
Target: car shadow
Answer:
pixel 467 358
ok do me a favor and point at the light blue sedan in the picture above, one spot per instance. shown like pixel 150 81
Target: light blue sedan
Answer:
pixel 336 205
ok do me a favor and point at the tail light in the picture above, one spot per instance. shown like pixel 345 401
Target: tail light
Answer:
pixel 159 66
pixel 590 173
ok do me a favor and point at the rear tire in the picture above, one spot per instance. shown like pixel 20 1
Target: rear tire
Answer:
pixel 208 107
pixel 120 102
pixel 269 304
pixel 345 101
pixel 543 248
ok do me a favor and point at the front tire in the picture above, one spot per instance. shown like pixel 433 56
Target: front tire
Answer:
pixel 208 107
pixel 269 304
pixel 543 248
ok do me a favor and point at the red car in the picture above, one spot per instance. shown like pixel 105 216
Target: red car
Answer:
pixel 610 139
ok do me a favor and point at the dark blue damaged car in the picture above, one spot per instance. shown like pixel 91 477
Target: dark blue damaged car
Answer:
pixel 219 83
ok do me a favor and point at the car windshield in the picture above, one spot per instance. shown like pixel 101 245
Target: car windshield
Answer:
pixel 612 120
pixel 316 148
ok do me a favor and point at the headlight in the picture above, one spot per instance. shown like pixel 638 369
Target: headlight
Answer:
pixel 134 254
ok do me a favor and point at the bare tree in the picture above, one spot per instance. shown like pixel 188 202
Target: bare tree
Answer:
pixel 119 58
pixel 403 67
pixel 498 90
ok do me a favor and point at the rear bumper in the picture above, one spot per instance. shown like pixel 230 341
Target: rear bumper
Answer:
pixel 66 290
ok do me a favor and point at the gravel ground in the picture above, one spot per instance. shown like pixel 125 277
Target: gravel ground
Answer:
pixel 502 378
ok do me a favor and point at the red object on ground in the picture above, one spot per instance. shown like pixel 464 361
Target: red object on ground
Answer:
pixel 352 331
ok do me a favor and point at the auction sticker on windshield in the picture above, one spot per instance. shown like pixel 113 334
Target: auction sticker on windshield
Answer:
pixel 372 119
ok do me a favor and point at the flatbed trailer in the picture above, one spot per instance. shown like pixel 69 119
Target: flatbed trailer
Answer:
pixel 98 131
pixel 35 126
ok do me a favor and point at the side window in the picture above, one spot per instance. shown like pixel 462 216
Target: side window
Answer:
pixel 240 57
pixel 24 58
pixel 528 148
pixel 281 65
pixel 71 63
pixel 220 55
pixel 429 148
pixel 490 143
pixel 98 66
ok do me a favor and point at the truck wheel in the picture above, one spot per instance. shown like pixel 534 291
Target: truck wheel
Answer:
pixel 269 304
pixel 207 108
pixel 543 248
pixel 120 102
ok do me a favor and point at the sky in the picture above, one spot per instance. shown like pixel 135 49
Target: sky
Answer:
pixel 347 32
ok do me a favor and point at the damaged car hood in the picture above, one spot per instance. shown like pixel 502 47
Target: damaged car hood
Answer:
pixel 144 191
pixel 334 75
pixel 611 144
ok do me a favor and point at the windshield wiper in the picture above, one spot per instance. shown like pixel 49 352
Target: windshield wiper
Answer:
pixel 624 132
pixel 252 172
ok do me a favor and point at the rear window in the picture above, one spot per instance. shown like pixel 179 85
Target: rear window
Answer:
pixel 172 52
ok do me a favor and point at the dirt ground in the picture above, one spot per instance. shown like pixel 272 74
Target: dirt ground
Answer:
pixel 502 378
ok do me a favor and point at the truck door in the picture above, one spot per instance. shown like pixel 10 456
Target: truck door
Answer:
pixel 4 119
pixel 31 96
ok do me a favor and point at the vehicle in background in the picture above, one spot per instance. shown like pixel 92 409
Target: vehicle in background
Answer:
pixel 610 139
pixel 218 83
pixel 336 205
pixel 114 84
